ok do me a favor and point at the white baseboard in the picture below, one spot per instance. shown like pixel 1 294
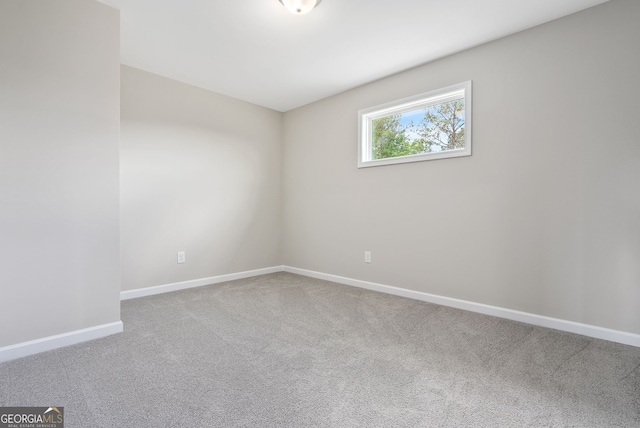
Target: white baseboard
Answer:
pixel 525 317
pixel 166 288
pixel 58 341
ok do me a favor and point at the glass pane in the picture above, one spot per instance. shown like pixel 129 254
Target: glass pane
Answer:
pixel 437 128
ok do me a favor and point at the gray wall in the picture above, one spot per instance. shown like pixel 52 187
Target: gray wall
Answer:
pixel 543 217
pixel 59 124
pixel 200 173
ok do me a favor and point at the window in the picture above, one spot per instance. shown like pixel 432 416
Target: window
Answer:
pixel 428 126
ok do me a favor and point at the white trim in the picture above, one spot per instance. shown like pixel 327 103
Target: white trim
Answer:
pixel 166 288
pixel 510 314
pixel 31 347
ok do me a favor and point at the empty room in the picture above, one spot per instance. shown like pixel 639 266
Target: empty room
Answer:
pixel 319 213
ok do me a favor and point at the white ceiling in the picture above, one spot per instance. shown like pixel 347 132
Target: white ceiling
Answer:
pixel 257 51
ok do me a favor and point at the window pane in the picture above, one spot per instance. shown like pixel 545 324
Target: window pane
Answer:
pixel 428 126
pixel 436 128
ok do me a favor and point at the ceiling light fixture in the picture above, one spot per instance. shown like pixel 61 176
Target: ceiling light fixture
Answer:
pixel 299 7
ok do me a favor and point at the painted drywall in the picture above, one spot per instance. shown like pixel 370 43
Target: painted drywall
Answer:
pixel 542 218
pixel 59 191
pixel 200 173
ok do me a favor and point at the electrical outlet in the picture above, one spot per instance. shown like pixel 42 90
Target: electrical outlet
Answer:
pixel 182 257
pixel 367 256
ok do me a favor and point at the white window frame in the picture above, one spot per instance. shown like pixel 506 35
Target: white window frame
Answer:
pixel 438 96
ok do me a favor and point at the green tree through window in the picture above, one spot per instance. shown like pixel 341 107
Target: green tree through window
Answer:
pixel 440 128
pixel 428 126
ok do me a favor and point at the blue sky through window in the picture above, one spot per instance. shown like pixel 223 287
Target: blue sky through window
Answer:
pixel 411 120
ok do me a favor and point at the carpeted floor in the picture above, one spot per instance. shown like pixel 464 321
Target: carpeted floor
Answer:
pixel 283 350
